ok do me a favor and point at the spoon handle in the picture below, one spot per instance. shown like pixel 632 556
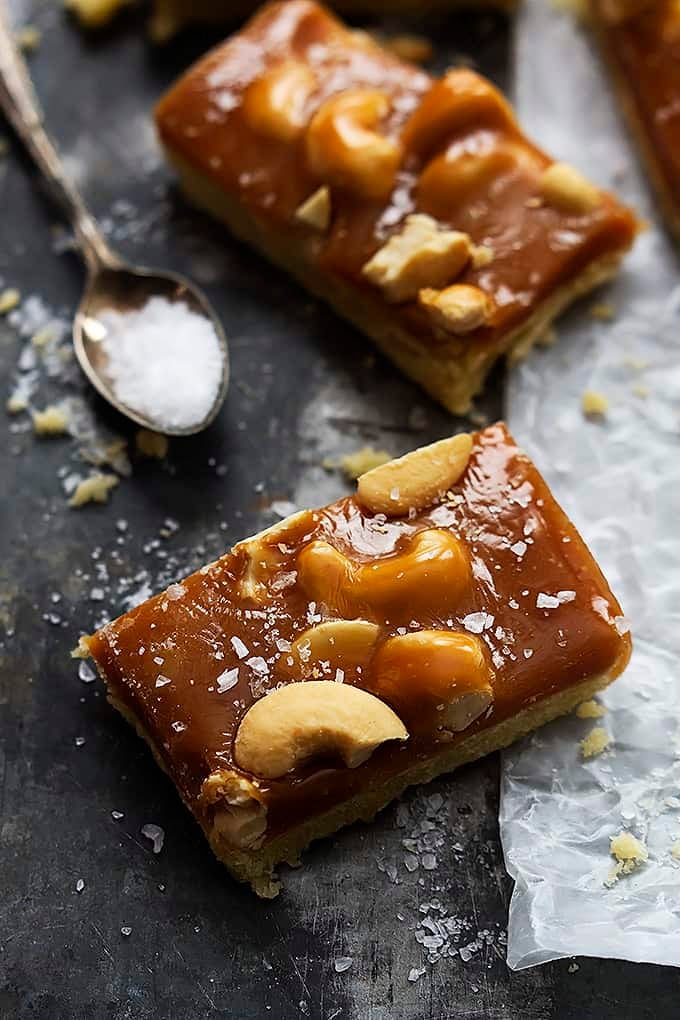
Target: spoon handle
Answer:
pixel 20 105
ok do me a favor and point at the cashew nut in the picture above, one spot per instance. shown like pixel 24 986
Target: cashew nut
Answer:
pixel 419 255
pixel 460 101
pixel 274 105
pixel 239 817
pixel 431 574
pixel 315 211
pixel 435 669
pixel 263 556
pixel 565 188
pixel 344 147
pixel 292 724
pixel 458 309
pixel 341 644
pixel 417 479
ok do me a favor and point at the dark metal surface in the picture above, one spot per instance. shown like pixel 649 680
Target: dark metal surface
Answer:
pixel 200 945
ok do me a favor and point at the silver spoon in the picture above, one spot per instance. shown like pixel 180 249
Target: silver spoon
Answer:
pixel 112 283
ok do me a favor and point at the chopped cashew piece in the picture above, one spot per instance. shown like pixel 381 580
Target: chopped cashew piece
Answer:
pixel 482 255
pixel 292 724
pixel 315 211
pixel 341 645
pixel 52 421
pixel 94 489
pixel 420 255
pixel 590 710
pixel 597 741
pixel 458 309
pixel 564 187
pixel 630 853
pixel 417 479
pixel 345 147
pixel 262 557
pixel 594 404
pixel 239 818
pixel 9 299
pixel 274 105
pixel 441 670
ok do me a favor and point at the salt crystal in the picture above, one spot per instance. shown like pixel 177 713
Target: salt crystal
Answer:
pixel 161 680
pixel 474 622
pixel 86 672
pixel 622 625
pixel 239 647
pixel 175 592
pixel 178 727
pixel 544 601
pixel 566 596
pixel 339 676
pixel 80 885
pixel 519 548
pixel 415 973
pixel 225 681
pixel 411 862
pixel 126 930
pixel 79 741
pixel 258 665
pixel 342 963
pixel 117 815
pixel 164 361
pixel 156 834
pixel 429 862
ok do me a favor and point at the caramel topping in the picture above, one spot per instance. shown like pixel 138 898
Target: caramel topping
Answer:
pixel 454 618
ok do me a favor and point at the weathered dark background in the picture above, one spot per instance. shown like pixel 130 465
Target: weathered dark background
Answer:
pixel 302 387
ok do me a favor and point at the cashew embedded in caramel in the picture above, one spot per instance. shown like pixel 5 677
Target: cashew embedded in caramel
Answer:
pixel 459 309
pixel 300 721
pixel 345 147
pixel 274 105
pixel 416 480
pixel 565 188
pixel 263 557
pixel 339 644
pixel 421 254
pixel 460 101
pixel 430 574
pixel 239 817
pixel 442 671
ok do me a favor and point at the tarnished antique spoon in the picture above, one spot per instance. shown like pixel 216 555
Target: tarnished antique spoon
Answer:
pixel 112 284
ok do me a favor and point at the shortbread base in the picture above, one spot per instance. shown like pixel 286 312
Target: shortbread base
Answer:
pixel 257 867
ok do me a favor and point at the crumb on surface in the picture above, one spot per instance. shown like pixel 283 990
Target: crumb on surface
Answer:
pixel 630 853
pixel 9 299
pixel 594 404
pixel 597 741
pixel 81 651
pixel 16 403
pixel 603 310
pixel 94 489
pixel 52 421
pixel 95 13
pixel 361 461
pixel 28 38
pixel 151 444
pixel 43 337
pixel 590 710
pixel 675 850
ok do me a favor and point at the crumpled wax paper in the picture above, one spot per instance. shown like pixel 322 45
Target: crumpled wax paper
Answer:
pixel 619 480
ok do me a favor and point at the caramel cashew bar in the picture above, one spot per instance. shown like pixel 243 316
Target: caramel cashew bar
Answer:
pixel 641 42
pixel 304 679
pixel 416 207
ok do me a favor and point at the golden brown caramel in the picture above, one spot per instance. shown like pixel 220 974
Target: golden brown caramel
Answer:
pixel 488 593
pixel 642 43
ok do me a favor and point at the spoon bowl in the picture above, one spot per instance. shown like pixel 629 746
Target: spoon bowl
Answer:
pixel 122 288
pixel 112 284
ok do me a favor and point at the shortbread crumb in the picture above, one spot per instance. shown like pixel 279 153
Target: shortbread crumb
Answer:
pixel 52 421
pixel 590 710
pixel 9 299
pixel 597 741
pixel 151 444
pixel 361 461
pixel 675 850
pixel 594 404
pixel 94 489
pixel 630 853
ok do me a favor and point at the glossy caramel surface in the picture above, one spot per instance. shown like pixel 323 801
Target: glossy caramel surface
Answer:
pixel 205 120
pixel 166 660
pixel 645 51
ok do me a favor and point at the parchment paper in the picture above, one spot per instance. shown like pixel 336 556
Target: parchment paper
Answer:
pixel 619 479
